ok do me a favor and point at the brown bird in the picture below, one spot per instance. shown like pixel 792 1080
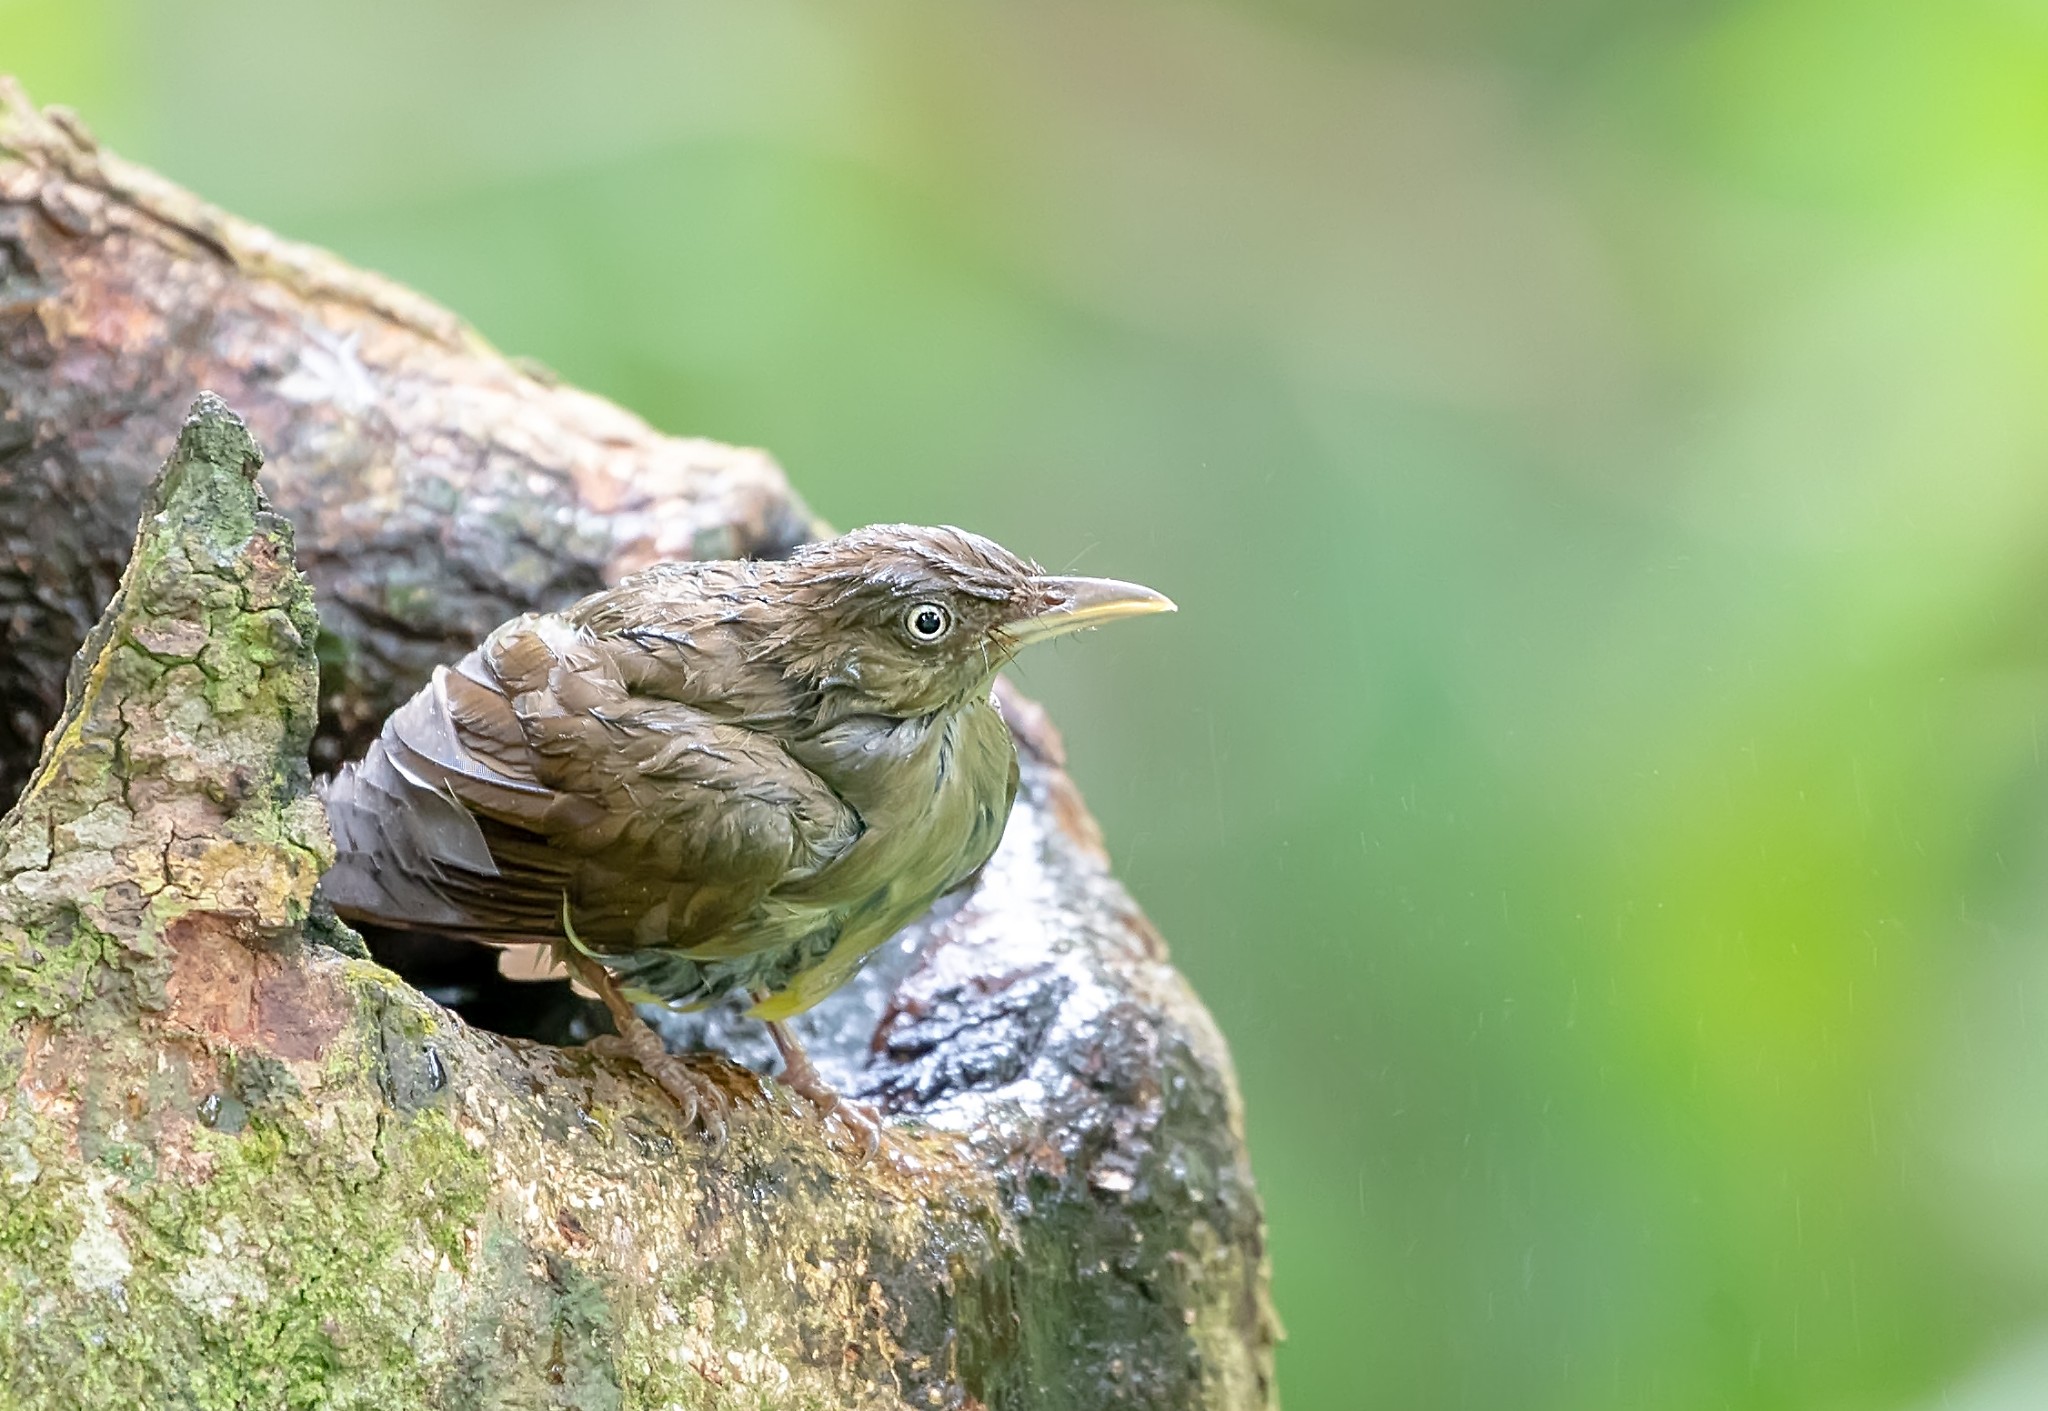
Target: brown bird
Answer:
pixel 715 777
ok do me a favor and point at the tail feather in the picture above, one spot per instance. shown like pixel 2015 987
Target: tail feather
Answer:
pixel 409 851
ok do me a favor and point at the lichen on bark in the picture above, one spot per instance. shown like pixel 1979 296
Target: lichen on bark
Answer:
pixel 176 782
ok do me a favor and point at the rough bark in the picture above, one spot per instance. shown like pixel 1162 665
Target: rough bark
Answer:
pixel 245 1167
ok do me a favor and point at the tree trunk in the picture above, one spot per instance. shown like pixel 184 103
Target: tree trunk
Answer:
pixel 246 1166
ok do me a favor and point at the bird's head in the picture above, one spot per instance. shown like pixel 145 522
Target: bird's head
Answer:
pixel 903 620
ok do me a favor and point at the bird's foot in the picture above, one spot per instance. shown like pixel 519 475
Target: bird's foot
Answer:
pixel 801 1077
pixel 703 1102
pixel 861 1122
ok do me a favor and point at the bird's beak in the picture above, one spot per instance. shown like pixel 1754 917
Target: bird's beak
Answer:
pixel 1084 602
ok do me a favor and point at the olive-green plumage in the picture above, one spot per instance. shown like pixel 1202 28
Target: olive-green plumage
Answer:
pixel 728 776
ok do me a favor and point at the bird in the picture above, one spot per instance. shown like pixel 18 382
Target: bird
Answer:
pixel 716 777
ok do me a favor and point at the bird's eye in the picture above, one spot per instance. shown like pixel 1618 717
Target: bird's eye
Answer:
pixel 927 622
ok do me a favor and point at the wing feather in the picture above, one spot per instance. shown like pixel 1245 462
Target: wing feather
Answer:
pixel 531 771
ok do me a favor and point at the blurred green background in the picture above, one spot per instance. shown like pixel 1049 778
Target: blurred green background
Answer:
pixel 1601 453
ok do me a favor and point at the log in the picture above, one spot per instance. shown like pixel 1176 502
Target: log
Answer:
pixel 246 1165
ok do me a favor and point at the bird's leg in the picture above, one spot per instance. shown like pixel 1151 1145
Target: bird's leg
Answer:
pixel 801 1077
pixel 701 1100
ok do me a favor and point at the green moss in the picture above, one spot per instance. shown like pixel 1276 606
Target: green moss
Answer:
pixel 273 1281
pixel 541 1336
pixel 289 1253
pixel 49 967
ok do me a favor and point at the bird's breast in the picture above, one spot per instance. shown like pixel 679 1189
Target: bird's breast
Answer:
pixel 932 793
pixel 933 796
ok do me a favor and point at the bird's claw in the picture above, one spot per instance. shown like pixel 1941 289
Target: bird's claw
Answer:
pixel 862 1121
pixel 703 1103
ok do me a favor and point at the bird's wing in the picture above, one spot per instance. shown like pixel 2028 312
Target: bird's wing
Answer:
pixel 530 772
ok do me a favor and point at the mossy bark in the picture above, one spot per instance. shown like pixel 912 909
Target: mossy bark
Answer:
pixel 242 1165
